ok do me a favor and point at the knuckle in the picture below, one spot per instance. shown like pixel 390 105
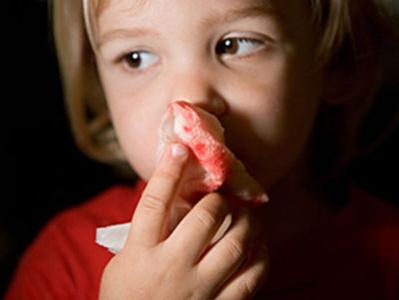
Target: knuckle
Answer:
pixel 216 200
pixel 246 221
pixel 206 218
pixel 249 287
pixel 152 202
pixel 214 203
pixel 255 279
pixel 244 228
pixel 168 175
pixel 235 249
pixel 216 197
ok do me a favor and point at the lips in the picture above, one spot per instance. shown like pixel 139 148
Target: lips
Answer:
pixel 212 165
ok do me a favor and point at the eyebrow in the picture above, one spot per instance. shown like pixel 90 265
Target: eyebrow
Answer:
pixel 252 11
pixel 126 33
pixel 232 15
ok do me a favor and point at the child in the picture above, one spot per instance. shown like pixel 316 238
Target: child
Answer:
pixel 276 74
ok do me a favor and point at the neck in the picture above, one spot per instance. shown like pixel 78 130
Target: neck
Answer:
pixel 294 210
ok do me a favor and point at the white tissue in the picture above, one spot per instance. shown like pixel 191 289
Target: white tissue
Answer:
pixel 113 237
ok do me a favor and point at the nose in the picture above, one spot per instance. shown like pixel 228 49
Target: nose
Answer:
pixel 199 88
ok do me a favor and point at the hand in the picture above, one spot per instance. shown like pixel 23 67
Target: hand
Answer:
pixel 184 264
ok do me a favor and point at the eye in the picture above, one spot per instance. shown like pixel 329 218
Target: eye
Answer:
pixel 139 59
pixel 238 46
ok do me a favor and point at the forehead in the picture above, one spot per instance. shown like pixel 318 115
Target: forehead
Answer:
pixel 132 5
pixel 138 6
pixel 292 15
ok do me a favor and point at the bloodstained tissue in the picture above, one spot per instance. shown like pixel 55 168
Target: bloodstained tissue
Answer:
pixel 212 165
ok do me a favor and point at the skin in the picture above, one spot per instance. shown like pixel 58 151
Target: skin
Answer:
pixel 268 100
pixel 182 265
pixel 264 93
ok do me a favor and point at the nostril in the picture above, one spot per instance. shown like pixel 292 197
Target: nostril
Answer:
pixel 219 106
pixel 215 106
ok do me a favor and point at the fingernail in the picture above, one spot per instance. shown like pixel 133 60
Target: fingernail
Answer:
pixel 179 151
pixel 263 198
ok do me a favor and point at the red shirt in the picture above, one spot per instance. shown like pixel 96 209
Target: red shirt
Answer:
pixel 354 257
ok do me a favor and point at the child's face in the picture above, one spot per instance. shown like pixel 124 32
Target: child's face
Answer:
pixel 251 68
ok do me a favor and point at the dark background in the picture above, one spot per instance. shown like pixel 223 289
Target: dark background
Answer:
pixel 43 172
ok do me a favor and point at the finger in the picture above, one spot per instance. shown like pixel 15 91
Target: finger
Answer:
pixel 223 260
pixel 249 279
pixel 153 209
pixel 196 231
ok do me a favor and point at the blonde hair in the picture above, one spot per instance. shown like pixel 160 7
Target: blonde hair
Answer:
pixel 350 34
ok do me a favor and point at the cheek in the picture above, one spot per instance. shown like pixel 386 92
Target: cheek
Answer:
pixel 137 134
pixel 136 126
pixel 271 119
pixel 135 115
pixel 260 100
